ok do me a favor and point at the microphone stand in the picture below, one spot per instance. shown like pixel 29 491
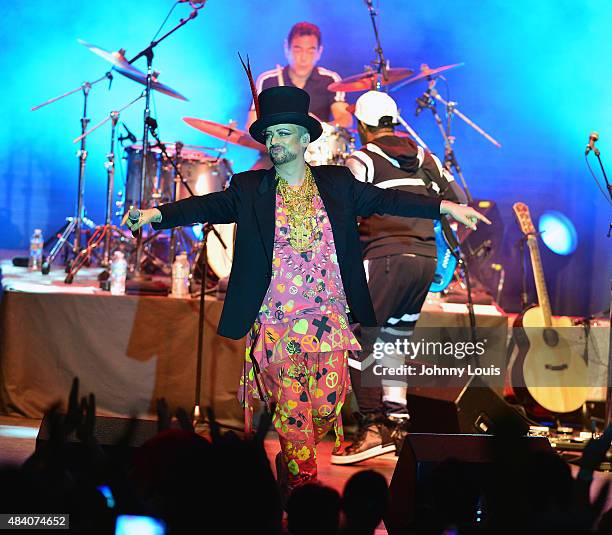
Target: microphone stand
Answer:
pixel 603 171
pixel 608 418
pixel 381 69
pixel 426 100
pixel 380 63
pixel 148 54
pixel 201 260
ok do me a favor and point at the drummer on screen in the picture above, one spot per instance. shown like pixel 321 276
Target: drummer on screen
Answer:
pixel 303 49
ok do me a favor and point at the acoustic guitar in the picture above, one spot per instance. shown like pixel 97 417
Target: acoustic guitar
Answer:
pixel 548 370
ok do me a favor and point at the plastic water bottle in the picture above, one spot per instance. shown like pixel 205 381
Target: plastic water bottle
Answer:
pixel 118 273
pixel 36 250
pixel 180 276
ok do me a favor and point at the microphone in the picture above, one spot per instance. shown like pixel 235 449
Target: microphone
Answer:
pixel 130 135
pixel 134 216
pixel 591 146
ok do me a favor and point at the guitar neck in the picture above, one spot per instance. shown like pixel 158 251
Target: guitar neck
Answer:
pixel 540 282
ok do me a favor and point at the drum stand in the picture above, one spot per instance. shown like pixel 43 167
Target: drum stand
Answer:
pixel 74 225
pixel 108 231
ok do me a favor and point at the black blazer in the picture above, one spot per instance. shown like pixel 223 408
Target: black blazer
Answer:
pixel 250 201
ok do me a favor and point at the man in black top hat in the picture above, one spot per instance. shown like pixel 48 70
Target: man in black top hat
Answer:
pixel 297 278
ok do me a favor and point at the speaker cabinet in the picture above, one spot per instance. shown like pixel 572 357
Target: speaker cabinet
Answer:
pixel 413 483
pixel 473 408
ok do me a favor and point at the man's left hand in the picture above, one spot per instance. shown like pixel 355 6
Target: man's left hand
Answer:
pixel 463 214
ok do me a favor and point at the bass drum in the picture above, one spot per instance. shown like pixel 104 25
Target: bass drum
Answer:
pixel 220 258
pixel 332 148
pixel 204 174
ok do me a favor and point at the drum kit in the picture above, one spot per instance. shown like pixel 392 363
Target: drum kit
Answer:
pixel 164 172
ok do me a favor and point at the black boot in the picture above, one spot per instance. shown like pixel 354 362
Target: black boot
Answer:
pixel 373 439
pixel 399 429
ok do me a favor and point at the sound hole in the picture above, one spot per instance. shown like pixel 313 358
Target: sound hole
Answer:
pixel 556 368
pixel 551 337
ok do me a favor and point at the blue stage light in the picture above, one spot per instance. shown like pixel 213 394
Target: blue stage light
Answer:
pixel 558 232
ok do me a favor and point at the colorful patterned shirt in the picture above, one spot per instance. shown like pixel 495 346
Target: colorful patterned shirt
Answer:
pixel 305 309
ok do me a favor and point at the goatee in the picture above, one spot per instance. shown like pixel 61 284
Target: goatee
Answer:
pixel 283 156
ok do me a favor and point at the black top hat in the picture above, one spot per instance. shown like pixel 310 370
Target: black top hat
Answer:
pixel 284 104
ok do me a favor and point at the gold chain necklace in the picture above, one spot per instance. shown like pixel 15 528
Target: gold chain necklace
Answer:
pixel 301 215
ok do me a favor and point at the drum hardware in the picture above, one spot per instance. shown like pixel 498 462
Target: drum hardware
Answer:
pixel 226 133
pixel 370 79
pixel 74 225
pixel 387 77
pixel 125 67
pixel 332 148
pixel 178 180
pixel 201 173
pixel 108 231
pixel 426 73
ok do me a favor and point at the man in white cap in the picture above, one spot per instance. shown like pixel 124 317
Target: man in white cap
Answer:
pixel 399 259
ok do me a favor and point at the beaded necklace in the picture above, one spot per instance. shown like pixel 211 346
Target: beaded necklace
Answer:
pixel 301 215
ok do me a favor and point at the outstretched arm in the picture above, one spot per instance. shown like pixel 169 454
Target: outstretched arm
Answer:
pixel 371 200
pixel 217 207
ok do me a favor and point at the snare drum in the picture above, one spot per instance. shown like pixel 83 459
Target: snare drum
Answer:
pixel 332 148
pixel 203 172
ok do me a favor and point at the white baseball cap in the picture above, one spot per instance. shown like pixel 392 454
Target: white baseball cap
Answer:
pixel 373 105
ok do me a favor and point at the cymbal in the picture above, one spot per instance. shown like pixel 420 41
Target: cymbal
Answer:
pixel 367 80
pixel 121 65
pixel 224 132
pixel 427 72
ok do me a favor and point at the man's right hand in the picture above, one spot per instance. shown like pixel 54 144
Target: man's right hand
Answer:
pixel 150 215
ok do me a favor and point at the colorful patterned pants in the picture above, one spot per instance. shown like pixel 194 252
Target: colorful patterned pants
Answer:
pixel 309 390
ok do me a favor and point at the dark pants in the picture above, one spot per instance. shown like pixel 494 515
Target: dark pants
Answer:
pixel 398 286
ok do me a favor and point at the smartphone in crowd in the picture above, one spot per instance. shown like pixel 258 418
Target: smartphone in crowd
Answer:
pixel 139 525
